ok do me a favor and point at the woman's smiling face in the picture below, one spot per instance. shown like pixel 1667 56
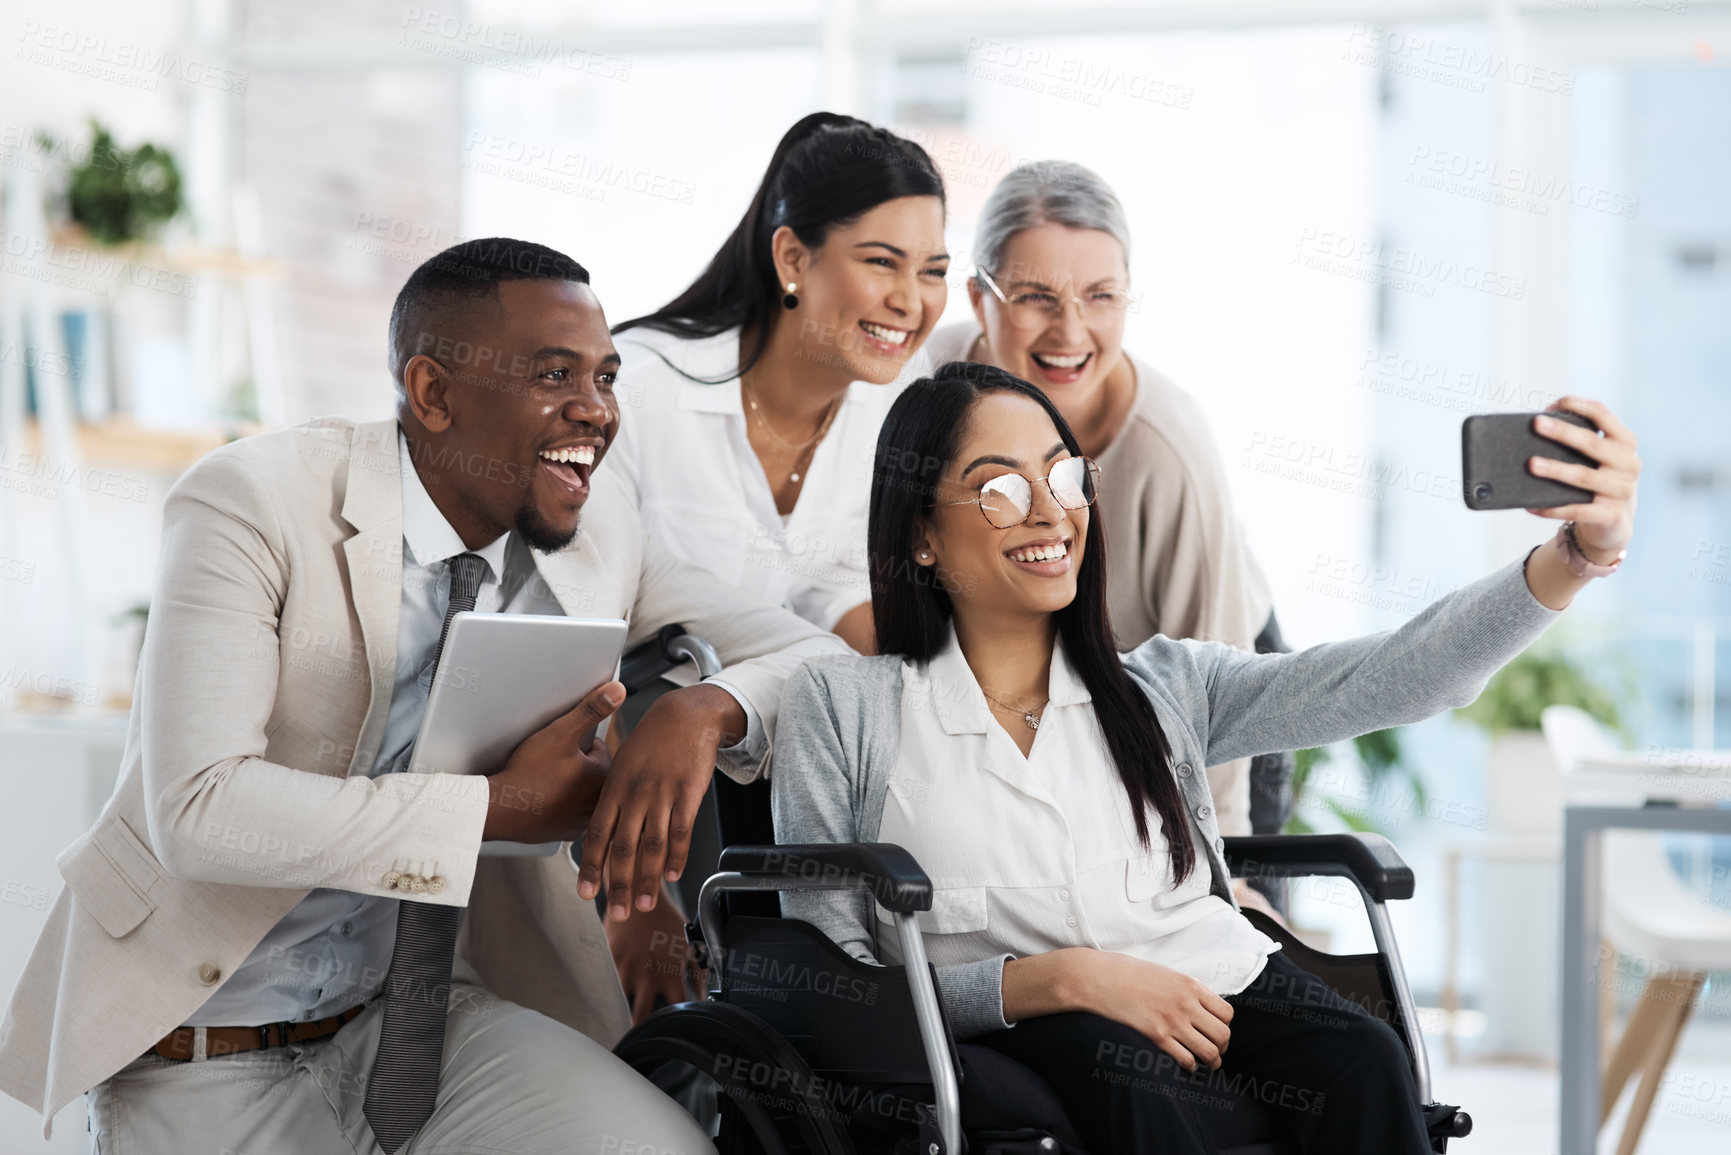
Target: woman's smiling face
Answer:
pixel 1027 569
pixel 870 296
pixel 1067 355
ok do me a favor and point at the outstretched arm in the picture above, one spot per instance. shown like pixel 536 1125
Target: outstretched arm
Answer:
pixel 1443 657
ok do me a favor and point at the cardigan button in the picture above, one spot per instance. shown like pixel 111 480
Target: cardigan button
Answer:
pixel 1183 769
pixel 1203 811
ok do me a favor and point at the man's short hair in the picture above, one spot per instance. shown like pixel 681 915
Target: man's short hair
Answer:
pixel 452 284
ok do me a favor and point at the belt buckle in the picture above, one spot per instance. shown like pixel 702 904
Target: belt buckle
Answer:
pixel 200 1044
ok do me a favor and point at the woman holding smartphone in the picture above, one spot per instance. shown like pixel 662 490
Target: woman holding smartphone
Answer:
pixel 1051 786
pixel 763 384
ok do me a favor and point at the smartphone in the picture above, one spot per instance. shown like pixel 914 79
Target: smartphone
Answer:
pixel 1494 452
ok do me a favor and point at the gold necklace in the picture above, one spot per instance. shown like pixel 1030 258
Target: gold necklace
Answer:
pixel 1028 716
pixel 800 448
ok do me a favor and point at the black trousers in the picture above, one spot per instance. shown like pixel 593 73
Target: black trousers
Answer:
pixel 1319 1068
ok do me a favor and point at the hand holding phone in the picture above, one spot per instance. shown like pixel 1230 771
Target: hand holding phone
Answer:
pixel 1495 449
pixel 1573 462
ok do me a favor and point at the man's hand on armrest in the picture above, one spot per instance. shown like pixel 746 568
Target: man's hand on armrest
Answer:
pixel 642 823
pixel 549 786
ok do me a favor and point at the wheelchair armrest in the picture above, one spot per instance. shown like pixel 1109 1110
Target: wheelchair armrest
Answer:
pixel 1369 859
pixel 889 872
pixel 672 646
pixel 893 876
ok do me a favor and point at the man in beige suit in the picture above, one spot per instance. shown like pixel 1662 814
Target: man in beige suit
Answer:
pixel 270 893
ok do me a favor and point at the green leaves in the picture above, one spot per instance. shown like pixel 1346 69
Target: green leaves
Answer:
pixel 1515 697
pixel 117 195
pixel 1380 754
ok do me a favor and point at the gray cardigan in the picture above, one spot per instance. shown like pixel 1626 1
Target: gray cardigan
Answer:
pixel 839 735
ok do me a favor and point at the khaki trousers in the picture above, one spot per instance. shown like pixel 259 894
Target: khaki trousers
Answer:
pixel 514 1082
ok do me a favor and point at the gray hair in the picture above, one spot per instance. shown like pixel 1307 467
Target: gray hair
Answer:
pixel 1047 192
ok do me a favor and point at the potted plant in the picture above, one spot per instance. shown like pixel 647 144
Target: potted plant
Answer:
pixel 1524 790
pixel 1524 799
pixel 119 196
pixel 1385 771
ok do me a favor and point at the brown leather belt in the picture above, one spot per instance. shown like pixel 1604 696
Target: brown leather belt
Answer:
pixel 186 1045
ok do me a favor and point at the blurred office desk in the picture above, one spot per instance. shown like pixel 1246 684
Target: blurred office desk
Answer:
pixel 56 771
pixel 1588 812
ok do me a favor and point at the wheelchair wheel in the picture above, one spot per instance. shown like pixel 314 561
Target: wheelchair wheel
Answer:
pixel 759 1091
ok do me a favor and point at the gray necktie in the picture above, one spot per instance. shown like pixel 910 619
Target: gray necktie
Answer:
pixel 405 1078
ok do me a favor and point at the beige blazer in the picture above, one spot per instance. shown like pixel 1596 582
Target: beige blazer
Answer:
pixel 259 707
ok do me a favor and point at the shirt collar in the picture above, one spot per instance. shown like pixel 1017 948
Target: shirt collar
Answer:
pixel 1065 682
pixel 959 703
pixel 708 359
pixel 429 536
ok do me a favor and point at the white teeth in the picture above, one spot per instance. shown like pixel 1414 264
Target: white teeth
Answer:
pixel 1053 362
pixel 1041 553
pixel 888 336
pixel 576 455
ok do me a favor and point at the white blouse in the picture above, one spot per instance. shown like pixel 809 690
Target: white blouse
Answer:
pixel 1029 855
pixel 682 451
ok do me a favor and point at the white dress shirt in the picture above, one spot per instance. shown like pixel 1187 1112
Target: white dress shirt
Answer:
pixel 1032 854
pixel 683 453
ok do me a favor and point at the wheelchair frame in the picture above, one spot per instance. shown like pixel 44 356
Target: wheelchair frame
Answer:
pixel 900 886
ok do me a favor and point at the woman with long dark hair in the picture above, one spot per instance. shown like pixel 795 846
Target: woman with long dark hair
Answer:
pixel 1051 295
pixel 755 397
pixel 1082 919
pixel 761 385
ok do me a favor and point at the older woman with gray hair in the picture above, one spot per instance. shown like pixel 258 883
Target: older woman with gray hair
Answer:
pixel 1050 291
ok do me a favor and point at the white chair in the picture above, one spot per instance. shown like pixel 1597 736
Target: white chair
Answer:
pixel 1648 916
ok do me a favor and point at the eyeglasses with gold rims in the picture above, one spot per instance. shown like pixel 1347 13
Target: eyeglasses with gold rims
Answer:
pixel 1008 499
pixel 1035 307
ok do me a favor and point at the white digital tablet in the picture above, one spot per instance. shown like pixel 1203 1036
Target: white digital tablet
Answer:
pixel 501 677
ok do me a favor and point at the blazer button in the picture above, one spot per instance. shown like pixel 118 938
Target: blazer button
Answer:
pixel 208 973
pixel 435 884
pixel 389 881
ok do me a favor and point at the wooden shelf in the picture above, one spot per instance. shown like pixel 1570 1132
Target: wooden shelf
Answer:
pixel 121 443
pixel 182 257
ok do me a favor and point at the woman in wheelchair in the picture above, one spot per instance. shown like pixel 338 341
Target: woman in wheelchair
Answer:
pixel 1082 920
